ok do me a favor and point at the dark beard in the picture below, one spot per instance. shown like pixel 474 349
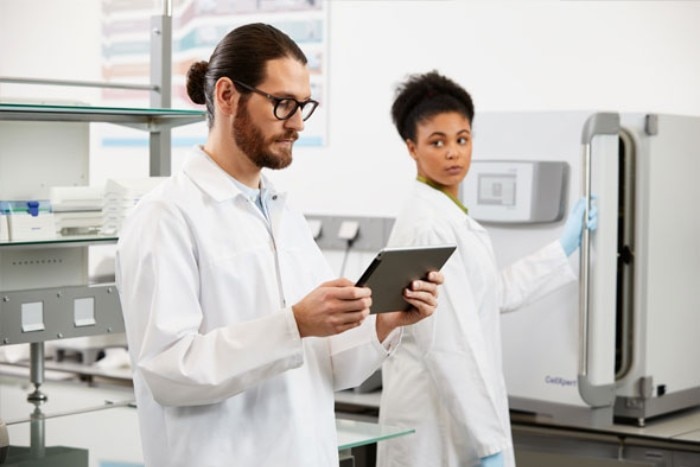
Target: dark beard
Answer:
pixel 251 141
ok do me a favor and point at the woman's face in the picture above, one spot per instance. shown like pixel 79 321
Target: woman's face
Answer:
pixel 443 150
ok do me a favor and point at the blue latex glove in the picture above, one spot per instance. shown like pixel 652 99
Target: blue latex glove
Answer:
pixel 573 229
pixel 494 460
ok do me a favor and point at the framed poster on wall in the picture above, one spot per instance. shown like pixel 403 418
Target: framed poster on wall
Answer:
pixel 197 26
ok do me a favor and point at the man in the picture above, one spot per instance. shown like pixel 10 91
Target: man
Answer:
pixel 236 348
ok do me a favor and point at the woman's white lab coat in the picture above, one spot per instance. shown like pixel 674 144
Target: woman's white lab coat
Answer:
pixel 221 374
pixel 445 380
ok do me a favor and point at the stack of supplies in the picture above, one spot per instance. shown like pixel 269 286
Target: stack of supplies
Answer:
pixel 77 209
pixel 120 198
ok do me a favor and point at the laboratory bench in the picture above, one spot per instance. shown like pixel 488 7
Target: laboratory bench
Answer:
pixel 94 423
pixel 667 441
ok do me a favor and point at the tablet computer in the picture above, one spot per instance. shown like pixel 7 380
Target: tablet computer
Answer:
pixel 393 269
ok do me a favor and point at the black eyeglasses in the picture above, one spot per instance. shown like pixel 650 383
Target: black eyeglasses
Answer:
pixel 285 107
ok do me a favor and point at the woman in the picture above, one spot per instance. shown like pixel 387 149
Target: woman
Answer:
pixel 446 379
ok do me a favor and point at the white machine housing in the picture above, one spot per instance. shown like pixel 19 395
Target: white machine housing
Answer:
pixel 636 348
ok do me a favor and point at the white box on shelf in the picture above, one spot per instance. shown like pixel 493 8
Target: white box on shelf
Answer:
pixel 28 220
pixel 29 227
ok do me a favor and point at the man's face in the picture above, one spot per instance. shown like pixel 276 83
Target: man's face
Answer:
pixel 250 139
pixel 264 139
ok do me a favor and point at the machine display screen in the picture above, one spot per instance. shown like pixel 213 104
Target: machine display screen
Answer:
pixel 497 189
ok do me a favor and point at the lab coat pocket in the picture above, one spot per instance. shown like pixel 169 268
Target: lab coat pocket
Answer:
pixel 241 285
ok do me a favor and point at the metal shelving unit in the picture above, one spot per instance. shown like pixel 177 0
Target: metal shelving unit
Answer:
pixel 62 313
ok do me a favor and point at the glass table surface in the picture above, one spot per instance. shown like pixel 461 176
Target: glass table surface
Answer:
pixel 354 433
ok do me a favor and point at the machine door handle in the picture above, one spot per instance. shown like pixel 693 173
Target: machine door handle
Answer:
pixel 593 395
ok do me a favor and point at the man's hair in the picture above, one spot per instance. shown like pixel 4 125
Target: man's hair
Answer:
pixel 423 96
pixel 241 56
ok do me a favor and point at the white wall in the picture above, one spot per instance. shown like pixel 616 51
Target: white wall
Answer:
pixel 526 55
pixel 57 39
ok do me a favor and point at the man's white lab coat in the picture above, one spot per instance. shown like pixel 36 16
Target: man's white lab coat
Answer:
pixel 445 380
pixel 221 374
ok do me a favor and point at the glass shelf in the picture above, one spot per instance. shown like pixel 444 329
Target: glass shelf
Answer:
pixel 355 433
pixel 145 119
pixel 65 241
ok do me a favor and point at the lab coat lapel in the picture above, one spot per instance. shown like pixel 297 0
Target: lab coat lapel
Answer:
pixel 276 201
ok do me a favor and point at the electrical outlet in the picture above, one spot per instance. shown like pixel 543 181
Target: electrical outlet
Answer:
pixel 348 230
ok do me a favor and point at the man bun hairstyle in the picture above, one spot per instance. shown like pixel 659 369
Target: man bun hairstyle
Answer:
pixel 196 79
pixel 423 96
pixel 241 56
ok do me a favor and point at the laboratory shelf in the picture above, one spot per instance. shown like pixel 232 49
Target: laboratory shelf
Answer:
pixel 144 119
pixel 64 241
